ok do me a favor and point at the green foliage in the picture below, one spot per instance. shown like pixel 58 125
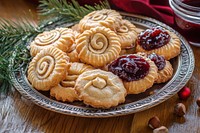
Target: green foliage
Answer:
pixel 72 11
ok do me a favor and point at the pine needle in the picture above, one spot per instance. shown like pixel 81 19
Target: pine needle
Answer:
pixel 72 11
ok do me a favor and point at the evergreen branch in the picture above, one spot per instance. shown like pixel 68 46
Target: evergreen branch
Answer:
pixel 71 11
pixel 5 82
pixel 12 34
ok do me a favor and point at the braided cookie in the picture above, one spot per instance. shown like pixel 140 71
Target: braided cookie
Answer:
pixel 65 91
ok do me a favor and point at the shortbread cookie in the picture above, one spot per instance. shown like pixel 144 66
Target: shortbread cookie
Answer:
pixel 106 18
pixel 65 90
pixel 61 38
pixel 137 72
pixel 48 68
pixel 127 34
pixel 165 70
pixel 160 41
pixel 73 56
pixel 100 89
pixel 98 46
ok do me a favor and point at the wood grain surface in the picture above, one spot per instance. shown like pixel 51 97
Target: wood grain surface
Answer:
pixel 21 116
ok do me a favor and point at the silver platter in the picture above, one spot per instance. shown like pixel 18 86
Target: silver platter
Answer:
pixel 183 68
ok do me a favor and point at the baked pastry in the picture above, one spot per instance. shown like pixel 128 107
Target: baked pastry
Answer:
pixel 160 41
pixel 137 72
pixel 127 34
pixel 65 90
pixel 165 70
pixel 73 56
pixel 48 68
pixel 105 17
pixel 100 89
pixel 98 46
pixel 61 38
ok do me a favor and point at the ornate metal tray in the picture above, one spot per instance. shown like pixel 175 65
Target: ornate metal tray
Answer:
pixel 183 67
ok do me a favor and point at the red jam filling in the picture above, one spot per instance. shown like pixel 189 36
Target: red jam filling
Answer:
pixel 158 60
pixel 129 67
pixel 153 38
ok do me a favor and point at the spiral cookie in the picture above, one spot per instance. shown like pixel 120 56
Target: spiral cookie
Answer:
pixel 100 89
pixel 106 18
pixel 127 34
pixel 47 68
pixel 137 72
pixel 65 91
pixel 61 38
pixel 160 41
pixel 98 46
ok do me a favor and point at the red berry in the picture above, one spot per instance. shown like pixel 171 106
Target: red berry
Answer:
pixel 184 93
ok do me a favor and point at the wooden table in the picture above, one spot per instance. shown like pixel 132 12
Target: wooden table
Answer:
pixel 20 115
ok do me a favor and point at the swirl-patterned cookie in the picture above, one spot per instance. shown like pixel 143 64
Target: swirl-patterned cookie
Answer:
pixel 100 89
pixel 127 34
pixel 65 90
pixel 160 41
pixel 165 70
pixel 137 72
pixel 106 18
pixel 98 46
pixel 61 38
pixel 48 68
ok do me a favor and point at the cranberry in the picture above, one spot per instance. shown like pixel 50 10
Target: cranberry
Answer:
pixel 158 60
pixel 184 93
pixel 129 67
pixel 153 38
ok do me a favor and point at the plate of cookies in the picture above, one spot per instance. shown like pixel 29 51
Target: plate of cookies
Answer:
pixel 108 64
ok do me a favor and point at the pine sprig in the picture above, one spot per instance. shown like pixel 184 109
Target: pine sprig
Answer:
pixel 5 82
pixel 13 31
pixel 12 34
pixel 71 11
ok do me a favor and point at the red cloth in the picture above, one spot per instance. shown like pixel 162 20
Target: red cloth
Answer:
pixel 158 9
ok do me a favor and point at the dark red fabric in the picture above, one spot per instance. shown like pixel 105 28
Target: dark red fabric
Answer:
pixel 158 9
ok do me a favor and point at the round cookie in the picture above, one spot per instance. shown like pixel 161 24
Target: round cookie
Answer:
pixel 137 72
pixel 61 38
pixel 160 41
pixel 100 89
pixel 165 70
pixel 98 46
pixel 127 34
pixel 48 68
pixel 100 18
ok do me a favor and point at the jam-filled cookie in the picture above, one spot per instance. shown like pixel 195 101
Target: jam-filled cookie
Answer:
pixel 106 18
pixel 137 72
pixel 98 46
pixel 65 90
pixel 61 38
pixel 127 34
pixel 165 70
pixel 100 89
pixel 48 68
pixel 160 41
